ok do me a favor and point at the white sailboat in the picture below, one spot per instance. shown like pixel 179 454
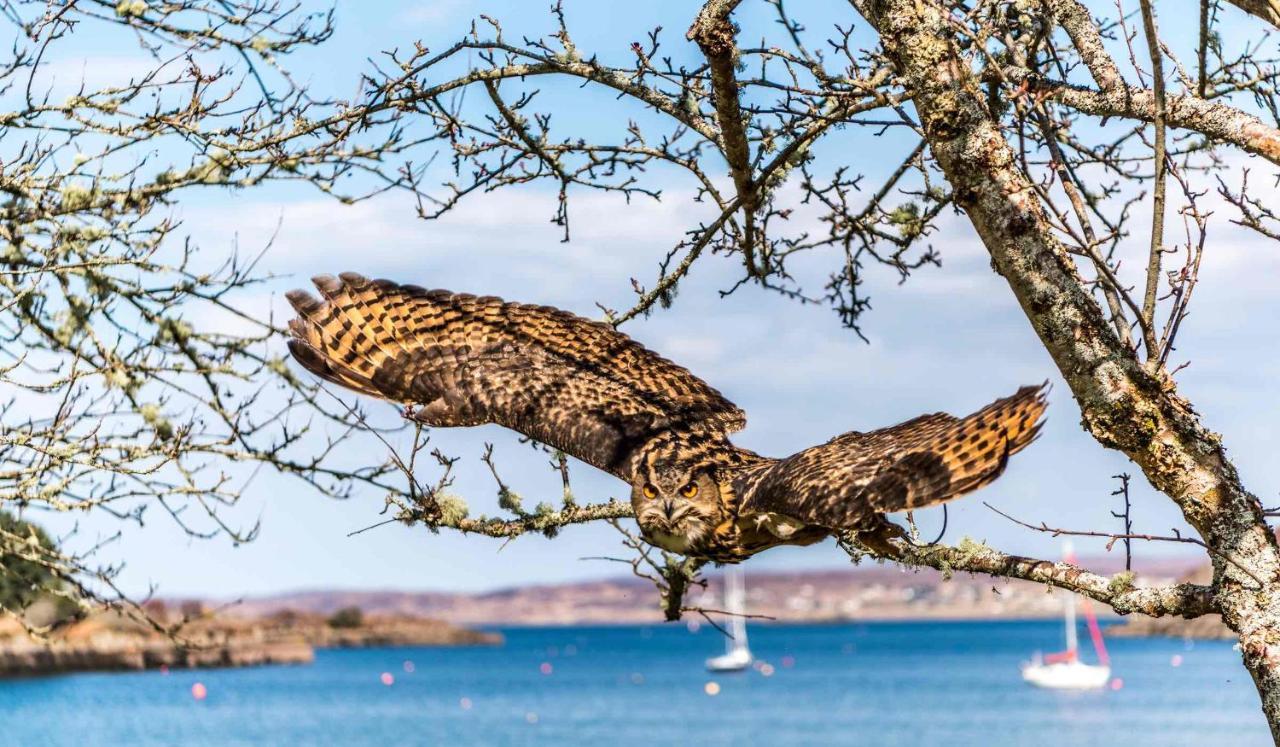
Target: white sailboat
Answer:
pixel 736 656
pixel 1064 670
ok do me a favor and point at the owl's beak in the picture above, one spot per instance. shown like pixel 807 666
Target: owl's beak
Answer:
pixel 668 507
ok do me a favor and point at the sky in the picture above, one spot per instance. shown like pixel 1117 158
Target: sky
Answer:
pixel 950 339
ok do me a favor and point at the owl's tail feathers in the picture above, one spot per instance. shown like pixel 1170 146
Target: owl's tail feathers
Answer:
pixel 958 456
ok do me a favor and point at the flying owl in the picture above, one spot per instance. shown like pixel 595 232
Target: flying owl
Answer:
pixel 583 387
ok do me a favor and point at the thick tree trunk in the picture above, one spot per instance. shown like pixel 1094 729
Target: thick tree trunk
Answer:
pixel 1126 405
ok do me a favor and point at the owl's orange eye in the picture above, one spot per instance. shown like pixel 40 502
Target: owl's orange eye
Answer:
pixel 650 491
pixel 689 491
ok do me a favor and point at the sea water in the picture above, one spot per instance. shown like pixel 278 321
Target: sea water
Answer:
pixel 911 683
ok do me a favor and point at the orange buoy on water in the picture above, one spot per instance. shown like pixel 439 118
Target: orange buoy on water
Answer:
pixel 199 691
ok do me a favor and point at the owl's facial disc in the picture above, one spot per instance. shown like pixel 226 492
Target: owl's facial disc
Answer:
pixel 676 509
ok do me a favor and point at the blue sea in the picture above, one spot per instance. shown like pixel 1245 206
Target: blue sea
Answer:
pixel 913 683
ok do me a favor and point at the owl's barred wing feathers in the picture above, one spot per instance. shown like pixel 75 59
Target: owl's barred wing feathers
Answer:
pixel 925 461
pixel 578 385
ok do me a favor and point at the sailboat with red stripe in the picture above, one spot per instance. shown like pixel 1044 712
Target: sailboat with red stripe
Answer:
pixel 1064 670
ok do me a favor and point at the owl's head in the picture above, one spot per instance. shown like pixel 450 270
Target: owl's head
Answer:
pixel 676 506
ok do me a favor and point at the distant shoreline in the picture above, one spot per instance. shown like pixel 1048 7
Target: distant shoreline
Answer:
pixel 657 622
pixel 109 642
pixel 883 592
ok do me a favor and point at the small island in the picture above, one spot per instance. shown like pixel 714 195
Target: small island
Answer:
pixel 111 641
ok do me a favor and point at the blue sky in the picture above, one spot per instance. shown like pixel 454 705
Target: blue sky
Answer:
pixel 950 339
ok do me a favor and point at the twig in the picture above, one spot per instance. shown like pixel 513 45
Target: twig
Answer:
pixel 1155 255
pixel 1128 524
pixel 1176 537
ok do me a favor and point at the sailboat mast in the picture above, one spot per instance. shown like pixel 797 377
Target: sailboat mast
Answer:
pixel 1068 554
pixel 735 603
pixel 1072 643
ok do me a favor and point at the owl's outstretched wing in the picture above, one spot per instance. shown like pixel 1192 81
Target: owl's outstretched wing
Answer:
pixel 577 385
pixel 921 462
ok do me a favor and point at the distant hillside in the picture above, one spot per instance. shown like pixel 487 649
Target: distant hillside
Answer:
pixel 863 592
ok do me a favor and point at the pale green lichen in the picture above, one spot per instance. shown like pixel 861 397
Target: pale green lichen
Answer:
pixel 209 172
pixel 1121 582
pixel 174 330
pixel 83 234
pixel 452 508
pixel 222 157
pixel 121 379
pixel 155 418
pixel 908 220
pixel 509 500
pixel 970 550
pixel 75 197
pixel 131 8
pixel 967 553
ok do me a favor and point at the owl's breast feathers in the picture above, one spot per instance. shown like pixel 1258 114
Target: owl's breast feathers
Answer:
pixel 737 535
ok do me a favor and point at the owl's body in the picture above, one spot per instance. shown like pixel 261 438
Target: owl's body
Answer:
pixel 592 392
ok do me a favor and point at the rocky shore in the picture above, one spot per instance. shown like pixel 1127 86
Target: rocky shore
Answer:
pixel 1209 626
pixel 111 642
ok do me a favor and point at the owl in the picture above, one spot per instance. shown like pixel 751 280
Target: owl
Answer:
pixel 581 386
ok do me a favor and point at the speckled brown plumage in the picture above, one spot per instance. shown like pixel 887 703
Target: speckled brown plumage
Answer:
pixel 581 386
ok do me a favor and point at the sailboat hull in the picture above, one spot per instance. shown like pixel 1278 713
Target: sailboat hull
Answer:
pixel 733 661
pixel 1067 675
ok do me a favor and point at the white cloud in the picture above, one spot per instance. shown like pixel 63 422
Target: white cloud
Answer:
pixel 507 242
pixel 64 76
